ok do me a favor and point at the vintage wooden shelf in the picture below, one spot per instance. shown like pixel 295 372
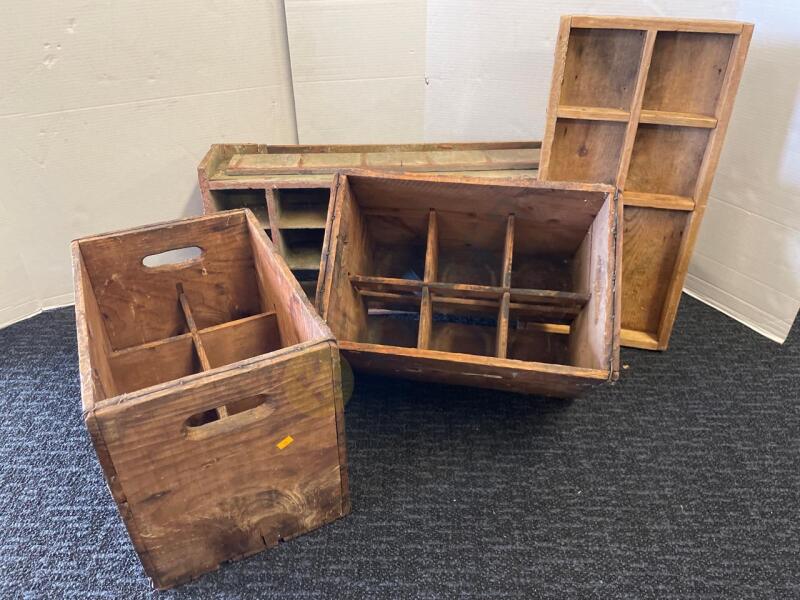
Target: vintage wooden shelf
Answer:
pixel 211 390
pixel 644 104
pixel 288 187
pixel 503 285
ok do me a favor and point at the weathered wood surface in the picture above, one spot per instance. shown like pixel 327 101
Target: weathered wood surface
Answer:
pixel 644 103
pixel 405 317
pixel 288 187
pixel 220 433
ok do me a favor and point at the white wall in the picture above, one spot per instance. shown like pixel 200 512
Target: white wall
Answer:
pixel 106 109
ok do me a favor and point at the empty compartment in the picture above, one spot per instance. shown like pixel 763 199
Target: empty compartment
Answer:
pixel 254 199
pixel 687 71
pixel 393 322
pixel 476 259
pixel 601 67
pixel 158 362
pixel 586 150
pixel 231 342
pixel 681 148
pixel 302 248
pixel 301 208
pixel 652 244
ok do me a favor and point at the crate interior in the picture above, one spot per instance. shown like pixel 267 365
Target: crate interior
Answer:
pixel 154 324
pixel 301 208
pixel 496 271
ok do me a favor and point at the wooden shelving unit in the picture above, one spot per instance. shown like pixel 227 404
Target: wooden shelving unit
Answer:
pixel 288 187
pixel 644 104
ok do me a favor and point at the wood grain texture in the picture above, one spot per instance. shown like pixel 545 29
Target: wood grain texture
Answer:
pixel 649 118
pixel 238 176
pixel 186 426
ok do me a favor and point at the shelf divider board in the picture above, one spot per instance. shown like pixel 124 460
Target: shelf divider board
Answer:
pixel 222 411
pixel 425 320
pixel 638 94
pixel 431 267
pixel 502 326
pixel 508 252
pixel 715 124
pixel 593 113
pixel 274 215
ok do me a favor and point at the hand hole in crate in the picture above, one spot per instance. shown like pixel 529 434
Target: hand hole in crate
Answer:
pixel 177 258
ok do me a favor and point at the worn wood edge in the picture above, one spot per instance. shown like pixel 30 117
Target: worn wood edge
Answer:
pixel 643 340
pixel 472 359
pixel 557 79
pixel 88 399
pixel 616 287
pixel 121 233
pixel 341 439
pixel 659 23
pixel 527 183
pixel 123 401
pixel 661 201
pixel 329 244
pixel 677 119
pixel 258 233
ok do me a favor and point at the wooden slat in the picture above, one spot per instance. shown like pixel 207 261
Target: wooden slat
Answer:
pixel 593 113
pixel 241 339
pixel 508 252
pixel 523 296
pixel 501 343
pixel 639 339
pixel 657 23
pixel 432 248
pixel 415 161
pixel 665 201
pixel 662 117
pixel 425 320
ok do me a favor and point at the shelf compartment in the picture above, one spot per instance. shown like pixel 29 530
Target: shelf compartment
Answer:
pixel 593 113
pixel 587 151
pixel 687 71
pixel 301 208
pixel 255 199
pixel 302 248
pixel 601 67
pixel 652 239
pixel 152 363
pixel 682 148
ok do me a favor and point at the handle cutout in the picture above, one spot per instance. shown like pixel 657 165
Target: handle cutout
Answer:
pixel 240 413
pixel 176 258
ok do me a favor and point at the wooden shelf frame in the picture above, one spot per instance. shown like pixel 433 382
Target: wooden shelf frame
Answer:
pixel 682 98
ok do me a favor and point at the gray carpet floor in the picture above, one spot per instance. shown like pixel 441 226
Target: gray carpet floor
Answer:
pixel 681 481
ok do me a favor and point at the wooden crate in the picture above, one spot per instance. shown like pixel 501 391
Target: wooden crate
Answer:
pixel 288 187
pixel 211 390
pixel 418 280
pixel 644 104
